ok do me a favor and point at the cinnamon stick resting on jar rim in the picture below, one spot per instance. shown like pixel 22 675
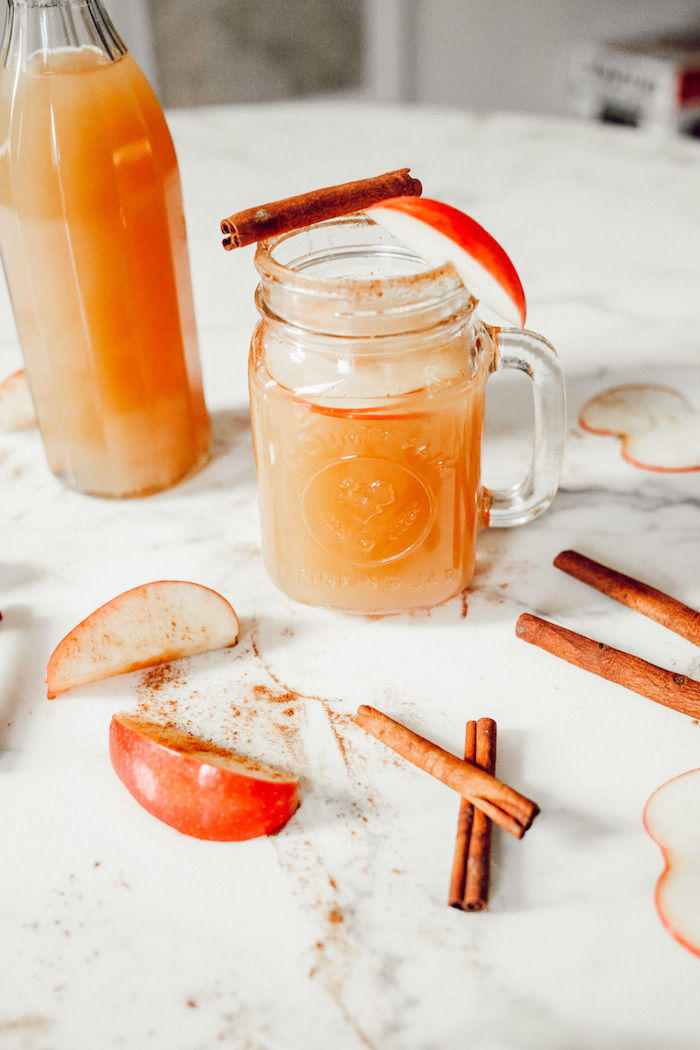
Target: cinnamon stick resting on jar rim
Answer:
pixel 501 803
pixel 292 213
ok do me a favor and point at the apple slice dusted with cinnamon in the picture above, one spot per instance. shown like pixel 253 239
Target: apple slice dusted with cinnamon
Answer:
pixel 659 429
pixel 672 818
pixel 202 790
pixel 151 624
pixel 16 405
pixel 439 233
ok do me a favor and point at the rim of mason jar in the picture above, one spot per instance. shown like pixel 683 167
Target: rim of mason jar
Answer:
pixel 340 287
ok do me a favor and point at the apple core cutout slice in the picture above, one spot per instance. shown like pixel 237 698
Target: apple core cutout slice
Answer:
pixel 16 404
pixel 659 429
pixel 151 624
pixel 201 790
pixel 672 819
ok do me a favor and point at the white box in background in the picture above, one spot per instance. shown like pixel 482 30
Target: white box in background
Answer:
pixel 651 82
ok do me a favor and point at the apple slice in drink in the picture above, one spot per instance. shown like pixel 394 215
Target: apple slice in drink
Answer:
pixel 16 405
pixel 672 818
pixel 202 790
pixel 151 624
pixel 660 430
pixel 439 233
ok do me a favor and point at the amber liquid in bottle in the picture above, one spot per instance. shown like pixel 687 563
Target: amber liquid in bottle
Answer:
pixel 95 253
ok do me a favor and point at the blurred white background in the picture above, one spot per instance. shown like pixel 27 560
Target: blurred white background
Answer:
pixel 476 54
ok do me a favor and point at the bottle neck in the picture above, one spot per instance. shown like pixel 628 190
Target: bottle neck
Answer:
pixel 37 29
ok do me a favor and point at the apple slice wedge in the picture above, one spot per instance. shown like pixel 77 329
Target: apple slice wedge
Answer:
pixel 16 405
pixel 439 233
pixel 672 818
pixel 660 430
pixel 151 624
pixel 201 790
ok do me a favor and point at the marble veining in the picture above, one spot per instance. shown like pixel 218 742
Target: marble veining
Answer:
pixel 118 931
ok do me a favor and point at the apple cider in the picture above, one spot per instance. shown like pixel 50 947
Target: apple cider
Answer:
pixel 366 511
pixel 94 248
pixel 367 425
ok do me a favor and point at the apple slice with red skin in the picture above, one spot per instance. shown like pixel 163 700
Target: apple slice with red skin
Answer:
pixel 202 790
pixel 672 818
pixel 439 233
pixel 660 430
pixel 151 624
pixel 16 405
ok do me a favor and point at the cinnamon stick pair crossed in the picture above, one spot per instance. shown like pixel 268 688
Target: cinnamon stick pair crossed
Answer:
pixel 656 683
pixel 484 797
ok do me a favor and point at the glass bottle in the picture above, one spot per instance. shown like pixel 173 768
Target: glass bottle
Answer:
pixel 368 374
pixel 93 243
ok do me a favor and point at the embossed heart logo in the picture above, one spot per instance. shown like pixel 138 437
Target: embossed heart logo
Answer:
pixel 366 510
pixel 365 500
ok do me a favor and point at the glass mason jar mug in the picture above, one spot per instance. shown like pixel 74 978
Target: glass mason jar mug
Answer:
pixel 367 380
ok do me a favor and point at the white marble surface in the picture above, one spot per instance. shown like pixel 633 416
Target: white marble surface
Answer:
pixel 119 932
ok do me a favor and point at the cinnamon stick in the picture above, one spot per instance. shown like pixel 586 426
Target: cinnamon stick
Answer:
pixel 268 220
pixel 465 820
pixel 633 593
pixel 469 886
pixel 656 683
pixel 502 803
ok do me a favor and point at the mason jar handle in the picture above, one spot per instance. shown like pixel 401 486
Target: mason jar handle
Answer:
pixel 532 354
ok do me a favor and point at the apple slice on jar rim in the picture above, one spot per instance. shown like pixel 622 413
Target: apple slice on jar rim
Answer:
pixel 147 625
pixel 672 819
pixel 201 790
pixel 440 233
